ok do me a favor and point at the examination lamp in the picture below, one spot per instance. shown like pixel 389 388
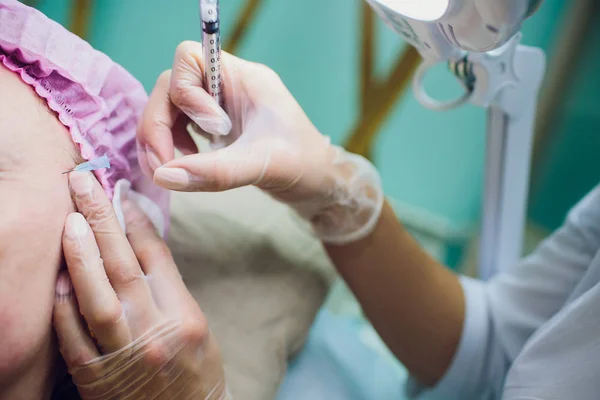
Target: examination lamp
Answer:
pixel 480 41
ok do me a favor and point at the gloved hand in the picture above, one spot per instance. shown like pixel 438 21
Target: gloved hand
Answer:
pixel 264 139
pixel 149 339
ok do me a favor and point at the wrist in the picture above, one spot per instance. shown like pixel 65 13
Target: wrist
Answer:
pixel 349 202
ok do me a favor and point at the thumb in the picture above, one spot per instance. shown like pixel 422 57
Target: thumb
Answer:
pixel 217 171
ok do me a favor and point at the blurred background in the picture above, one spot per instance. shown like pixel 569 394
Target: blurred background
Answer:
pixel 351 74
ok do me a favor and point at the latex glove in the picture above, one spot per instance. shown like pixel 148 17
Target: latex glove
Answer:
pixel 150 338
pixel 264 139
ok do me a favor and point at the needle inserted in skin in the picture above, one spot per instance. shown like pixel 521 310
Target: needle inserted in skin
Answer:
pixel 92 165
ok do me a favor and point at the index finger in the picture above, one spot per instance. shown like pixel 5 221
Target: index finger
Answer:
pixel 188 94
pixel 122 267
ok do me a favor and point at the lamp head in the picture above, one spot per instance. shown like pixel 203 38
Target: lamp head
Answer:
pixel 419 10
pixel 444 29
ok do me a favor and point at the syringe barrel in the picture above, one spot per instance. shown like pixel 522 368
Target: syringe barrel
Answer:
pixel 211 42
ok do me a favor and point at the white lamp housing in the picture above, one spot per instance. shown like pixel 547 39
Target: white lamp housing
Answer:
pixel 444 29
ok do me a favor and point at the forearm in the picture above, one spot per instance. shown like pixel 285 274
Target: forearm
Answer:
pixel 414 302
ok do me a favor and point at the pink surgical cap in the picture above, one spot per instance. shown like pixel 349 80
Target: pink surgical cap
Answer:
pixel 95 98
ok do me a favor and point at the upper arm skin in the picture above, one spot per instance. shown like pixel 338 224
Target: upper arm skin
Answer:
pixel 35 148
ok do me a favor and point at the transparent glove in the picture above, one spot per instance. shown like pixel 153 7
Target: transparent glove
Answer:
pixel 264 139
pixel 127 326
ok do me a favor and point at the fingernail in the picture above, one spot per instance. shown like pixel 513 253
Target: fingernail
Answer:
pixel 172 178
pixel 81 182
pixel 64 287
pixel 217 143
pixel 216 127
pixel 76 226
pixel 153 159
pixel 220 126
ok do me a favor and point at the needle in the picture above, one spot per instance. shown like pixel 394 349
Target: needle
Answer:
pixel 92 165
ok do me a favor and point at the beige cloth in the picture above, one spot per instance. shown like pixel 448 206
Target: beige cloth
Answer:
pixel 259 275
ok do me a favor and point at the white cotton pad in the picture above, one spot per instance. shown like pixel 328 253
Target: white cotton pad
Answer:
pixel 150 208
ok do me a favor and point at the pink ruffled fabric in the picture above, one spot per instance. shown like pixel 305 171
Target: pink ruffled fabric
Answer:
pixel 97 99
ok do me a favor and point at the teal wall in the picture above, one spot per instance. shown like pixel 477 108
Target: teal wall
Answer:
pixel 427 159
pixel 572 166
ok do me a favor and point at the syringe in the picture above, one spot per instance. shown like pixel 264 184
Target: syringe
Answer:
pixel 211 41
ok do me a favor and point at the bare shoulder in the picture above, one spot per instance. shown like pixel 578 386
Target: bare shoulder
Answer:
pixel 27 125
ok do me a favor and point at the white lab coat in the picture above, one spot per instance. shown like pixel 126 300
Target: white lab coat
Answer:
pixel 534 332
